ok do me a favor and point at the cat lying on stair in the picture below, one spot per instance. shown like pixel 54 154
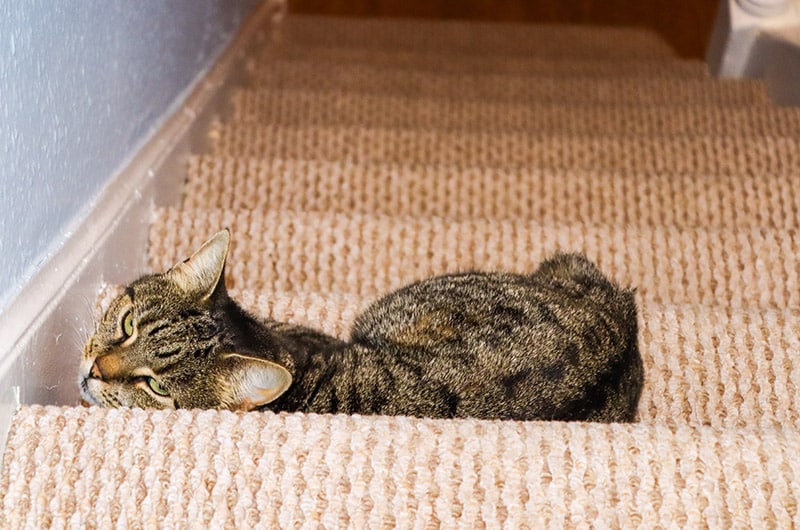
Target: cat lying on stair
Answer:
pixel 559 344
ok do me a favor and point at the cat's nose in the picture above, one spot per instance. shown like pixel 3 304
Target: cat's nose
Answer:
pixel 106 367
pixel 95 372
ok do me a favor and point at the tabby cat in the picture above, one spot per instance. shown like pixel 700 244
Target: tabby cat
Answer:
pixel 558 344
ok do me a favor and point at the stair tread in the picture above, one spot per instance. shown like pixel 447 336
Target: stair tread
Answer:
pixel 583 90
pixel 369 254
pixel 677 153
pixel 282 106
pixel 211 469
pixel 465 36
pixel 462 193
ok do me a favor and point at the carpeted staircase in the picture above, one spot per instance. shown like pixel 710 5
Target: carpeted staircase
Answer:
pixel 366 154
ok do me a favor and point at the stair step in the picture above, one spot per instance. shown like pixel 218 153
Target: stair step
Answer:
pixel 582 90
pixel 703 365
pixel 461 193
pixel 209 469
pixel 706 154
pixel 371 255
pixel 471 37
pixel 343 108
pixel 444 61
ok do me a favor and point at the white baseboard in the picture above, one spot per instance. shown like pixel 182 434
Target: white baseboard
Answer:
pixel 761 40
pixel 43 329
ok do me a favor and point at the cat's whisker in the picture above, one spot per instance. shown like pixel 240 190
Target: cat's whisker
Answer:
pixel 88 319
pixel 77 338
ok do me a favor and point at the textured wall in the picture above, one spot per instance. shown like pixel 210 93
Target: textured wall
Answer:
pixel 81 86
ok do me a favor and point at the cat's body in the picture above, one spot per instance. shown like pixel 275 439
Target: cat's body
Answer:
pixel 558 344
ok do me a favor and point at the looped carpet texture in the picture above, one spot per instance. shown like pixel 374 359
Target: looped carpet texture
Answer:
pixel 209 469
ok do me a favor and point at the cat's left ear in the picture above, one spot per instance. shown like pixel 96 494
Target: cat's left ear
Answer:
pixel 201 273
pixel 254 382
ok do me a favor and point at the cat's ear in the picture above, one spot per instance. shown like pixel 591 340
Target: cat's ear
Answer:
pixel 202 273
pixel 254 382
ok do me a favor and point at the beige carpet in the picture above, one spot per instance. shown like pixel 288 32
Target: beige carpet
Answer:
pixel 137 469
pixel 474 38
pixel 632 90
pixel 364 155
pixel 633 116
pixel 548 60
pixel 718 153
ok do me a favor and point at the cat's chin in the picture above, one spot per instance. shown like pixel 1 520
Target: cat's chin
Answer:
pixel 86 397
pixel 84 383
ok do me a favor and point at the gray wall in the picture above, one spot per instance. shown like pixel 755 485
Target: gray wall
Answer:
pixel 82 83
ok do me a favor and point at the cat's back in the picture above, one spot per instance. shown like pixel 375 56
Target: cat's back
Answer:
pixel 524 345
pixel 566 293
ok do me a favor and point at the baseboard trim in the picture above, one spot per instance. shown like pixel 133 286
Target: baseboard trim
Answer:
pixel 745 43
pixel 42 329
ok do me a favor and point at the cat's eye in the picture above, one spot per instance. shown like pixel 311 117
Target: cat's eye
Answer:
pixel 156 387
pixel 127 324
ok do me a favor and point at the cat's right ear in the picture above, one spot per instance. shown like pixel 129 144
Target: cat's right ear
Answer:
pixel 253 382
pixel 202 273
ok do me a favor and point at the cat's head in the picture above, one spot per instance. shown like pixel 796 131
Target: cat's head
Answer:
pixel 164 343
